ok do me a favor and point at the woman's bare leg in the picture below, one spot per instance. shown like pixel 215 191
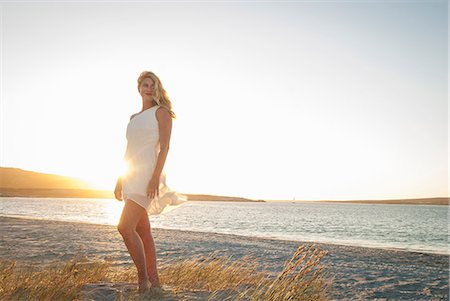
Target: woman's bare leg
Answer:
pixel 131 214
pixel 144 230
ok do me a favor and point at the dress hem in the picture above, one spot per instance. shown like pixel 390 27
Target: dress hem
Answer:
pixel 136 202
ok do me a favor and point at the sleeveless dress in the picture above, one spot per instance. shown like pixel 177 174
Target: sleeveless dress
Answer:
pixel 140 156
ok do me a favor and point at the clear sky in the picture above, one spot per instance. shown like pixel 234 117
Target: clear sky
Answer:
pixel 274 100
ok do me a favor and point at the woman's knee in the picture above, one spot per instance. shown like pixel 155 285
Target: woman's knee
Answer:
pixel 125 230
pixel 142 230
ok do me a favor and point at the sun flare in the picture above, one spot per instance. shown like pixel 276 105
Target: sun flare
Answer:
pixel 106 177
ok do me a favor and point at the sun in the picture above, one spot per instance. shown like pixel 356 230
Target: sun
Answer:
pixel 105 178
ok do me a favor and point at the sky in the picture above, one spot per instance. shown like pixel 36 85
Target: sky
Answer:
pixel 326 100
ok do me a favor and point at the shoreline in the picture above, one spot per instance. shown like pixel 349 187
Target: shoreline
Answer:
pixel 105 194
pixel 358 272
pixel 386 248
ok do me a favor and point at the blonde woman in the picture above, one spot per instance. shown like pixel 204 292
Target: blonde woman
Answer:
pixel 143 187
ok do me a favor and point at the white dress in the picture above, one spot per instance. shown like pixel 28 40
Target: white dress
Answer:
pixel 140 156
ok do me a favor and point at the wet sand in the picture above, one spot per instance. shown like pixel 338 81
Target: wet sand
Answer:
pixel 359 273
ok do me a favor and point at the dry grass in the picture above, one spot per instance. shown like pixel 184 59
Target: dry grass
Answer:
pixel 212 273
pixel 55 282
pixel 302 278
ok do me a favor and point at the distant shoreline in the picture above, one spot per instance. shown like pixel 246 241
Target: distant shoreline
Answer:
pixel 106 194
pixel 16 182
pixel 100 194
pixel 431 201
pixel 424 201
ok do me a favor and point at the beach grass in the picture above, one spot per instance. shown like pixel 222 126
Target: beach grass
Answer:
pixel 59 281
pixel 303 277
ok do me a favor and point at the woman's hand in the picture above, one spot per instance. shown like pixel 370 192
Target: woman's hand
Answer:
pixel 118 193
pixel 118 190
pixel 153 187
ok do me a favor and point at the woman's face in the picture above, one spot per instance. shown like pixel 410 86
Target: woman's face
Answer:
pixel 146 89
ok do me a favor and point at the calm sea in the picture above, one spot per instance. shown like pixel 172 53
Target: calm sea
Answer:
pixel 422 228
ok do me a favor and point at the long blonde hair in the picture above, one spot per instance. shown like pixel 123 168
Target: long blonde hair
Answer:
pixel 160 95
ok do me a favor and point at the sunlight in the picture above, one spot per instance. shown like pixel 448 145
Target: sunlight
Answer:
pixel 106 177
pixel 124 167
pixel 304 124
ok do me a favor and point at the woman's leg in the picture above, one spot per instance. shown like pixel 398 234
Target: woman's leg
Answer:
pixel 131 214
pixel 145 232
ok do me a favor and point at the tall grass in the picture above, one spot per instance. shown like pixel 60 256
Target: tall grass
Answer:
pixel 54 282
pixel 303 277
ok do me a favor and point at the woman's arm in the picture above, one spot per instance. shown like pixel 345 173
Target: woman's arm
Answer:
pixel 119 182
pixel 118 189
pixel 165 130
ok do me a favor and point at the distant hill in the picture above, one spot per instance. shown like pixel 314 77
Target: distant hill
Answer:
pixel 24 183
pixel 18 178
pixel 55 193
pixel 422 201
pixel 207 197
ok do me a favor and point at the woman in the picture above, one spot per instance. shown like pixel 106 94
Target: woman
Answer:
pixel 143 186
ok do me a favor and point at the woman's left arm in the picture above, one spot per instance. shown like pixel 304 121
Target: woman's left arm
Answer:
pixel 165 129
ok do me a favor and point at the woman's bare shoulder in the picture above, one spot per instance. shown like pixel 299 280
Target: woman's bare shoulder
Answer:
pixel 162 112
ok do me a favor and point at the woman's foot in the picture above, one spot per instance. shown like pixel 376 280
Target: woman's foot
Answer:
pixel 156 290
pixel 144 286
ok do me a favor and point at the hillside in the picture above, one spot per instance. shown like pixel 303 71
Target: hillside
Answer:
pixel 421 201
pixel 24 179
pixel 16 182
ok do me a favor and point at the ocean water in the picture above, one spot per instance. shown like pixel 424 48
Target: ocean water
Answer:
pixel 423 228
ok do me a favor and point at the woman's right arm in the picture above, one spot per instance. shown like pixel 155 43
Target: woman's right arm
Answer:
pixel 119 181
pixel 118 189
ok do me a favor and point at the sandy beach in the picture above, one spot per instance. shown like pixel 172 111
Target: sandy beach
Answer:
pixel 358 273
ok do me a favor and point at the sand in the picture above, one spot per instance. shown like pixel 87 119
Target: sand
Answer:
pixel 359 273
